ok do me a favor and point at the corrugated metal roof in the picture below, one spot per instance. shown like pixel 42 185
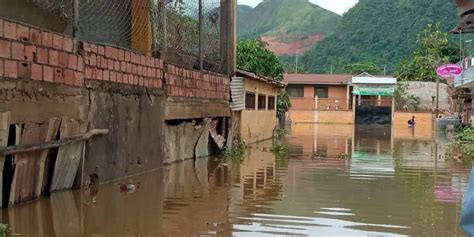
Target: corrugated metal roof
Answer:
pixel 237 89
pixel 254 76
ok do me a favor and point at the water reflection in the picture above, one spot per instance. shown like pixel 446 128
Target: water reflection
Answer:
pixel 335 180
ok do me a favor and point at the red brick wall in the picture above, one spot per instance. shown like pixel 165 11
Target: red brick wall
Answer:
pixel 32 53
pixel 122 66
pixel 191 83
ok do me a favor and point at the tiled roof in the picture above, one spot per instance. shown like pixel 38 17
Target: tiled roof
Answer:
pixel 260 78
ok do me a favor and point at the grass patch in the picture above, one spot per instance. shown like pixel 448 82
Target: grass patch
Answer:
pixel 465 141
pixel 234 154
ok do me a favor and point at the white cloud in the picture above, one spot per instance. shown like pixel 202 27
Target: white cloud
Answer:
pixel 337 6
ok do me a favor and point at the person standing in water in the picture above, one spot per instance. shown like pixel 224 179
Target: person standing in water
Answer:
pixel 411 122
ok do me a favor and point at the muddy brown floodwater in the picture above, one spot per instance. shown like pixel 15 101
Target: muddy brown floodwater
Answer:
pixel 332 180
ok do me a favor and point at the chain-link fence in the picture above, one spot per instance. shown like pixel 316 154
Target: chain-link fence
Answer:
pixel 190 27
pixel 184 31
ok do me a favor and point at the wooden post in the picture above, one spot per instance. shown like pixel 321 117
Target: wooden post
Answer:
pixel 140 26
pixel 227 36
pixel 4 131
pixel 52 144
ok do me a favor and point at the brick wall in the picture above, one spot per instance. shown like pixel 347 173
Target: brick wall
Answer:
pixel 32 53
pixel 122 66
pixel 191 83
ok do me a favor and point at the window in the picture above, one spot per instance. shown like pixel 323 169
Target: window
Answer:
pixel 262 102
pixel 322 92
pixel 249 100
pixel 295 91
pixel 271 102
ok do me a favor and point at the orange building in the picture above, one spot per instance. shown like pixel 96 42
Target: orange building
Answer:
pixel 325 98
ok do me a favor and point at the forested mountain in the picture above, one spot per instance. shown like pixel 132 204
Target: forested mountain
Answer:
pixel 286 25
pixel 379 31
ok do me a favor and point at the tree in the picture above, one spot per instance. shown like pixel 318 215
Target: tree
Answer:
pixel 434 49
pixel 253 56
pixel 359 68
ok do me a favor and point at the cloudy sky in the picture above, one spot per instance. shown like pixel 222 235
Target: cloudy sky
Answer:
pixel 338 6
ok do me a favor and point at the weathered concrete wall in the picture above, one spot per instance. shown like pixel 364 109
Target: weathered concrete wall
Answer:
pixel 426 90
pixel 181 140
pixel 34 101
pixel 134 117
pixel 44 75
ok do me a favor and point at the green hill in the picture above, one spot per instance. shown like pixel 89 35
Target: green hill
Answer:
pixel 285 20
pixel 380 31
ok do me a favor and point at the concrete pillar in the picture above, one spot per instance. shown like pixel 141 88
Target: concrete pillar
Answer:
pixel 348 95
pixel 393 110
pixel 353 108
pixel 379 100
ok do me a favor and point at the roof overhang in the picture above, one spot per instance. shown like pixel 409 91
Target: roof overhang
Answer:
pixel 374 80
pixel 374 86
pixel 254 76
pixel 314 83
pixel 466 26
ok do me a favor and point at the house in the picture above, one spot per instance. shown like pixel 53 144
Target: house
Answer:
pixel 328 98
pixel 254 104
pixel 464 83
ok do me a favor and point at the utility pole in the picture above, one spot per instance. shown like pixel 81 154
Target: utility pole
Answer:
pixel 297 61
pixel 385 70
pixel 331 69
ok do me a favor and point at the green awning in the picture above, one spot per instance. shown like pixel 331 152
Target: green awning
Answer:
pixel 379 90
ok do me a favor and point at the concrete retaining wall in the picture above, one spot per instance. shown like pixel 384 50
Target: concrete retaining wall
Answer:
pixel 44 74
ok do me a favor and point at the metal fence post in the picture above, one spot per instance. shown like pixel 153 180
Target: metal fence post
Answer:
pixel 201 35
pixel 75 27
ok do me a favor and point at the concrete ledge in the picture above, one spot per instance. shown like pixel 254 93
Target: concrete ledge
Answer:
pixel 187 108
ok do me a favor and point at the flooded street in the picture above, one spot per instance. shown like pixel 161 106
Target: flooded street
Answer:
pixel 326 180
